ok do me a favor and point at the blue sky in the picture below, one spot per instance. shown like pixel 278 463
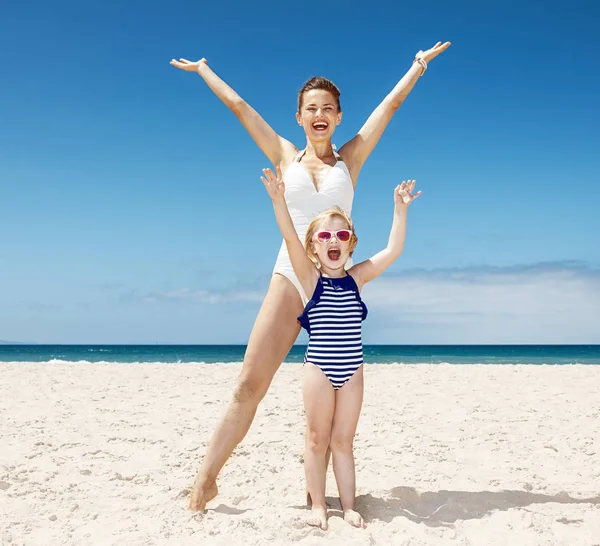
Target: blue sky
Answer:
pixel 131 209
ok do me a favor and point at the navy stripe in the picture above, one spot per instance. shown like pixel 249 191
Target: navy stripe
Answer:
pixel 336 348
pixel 341 351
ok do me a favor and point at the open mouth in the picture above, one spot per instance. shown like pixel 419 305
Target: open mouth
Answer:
pixel 334 254
pixel 320 125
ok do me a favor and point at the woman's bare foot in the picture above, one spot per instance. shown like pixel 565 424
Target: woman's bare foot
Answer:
pixel 354 518
pixel 318 517
pixel 200 494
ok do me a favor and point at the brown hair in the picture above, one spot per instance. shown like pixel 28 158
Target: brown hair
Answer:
pixel 325 215
pixel 318 82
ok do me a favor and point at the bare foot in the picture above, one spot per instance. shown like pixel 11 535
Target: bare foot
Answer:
pixel 318 517
pixel 201 494
pixel 354 518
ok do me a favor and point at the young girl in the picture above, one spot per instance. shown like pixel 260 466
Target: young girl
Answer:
pixel 333 372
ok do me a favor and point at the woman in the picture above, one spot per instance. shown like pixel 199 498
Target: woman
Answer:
pixel 317 178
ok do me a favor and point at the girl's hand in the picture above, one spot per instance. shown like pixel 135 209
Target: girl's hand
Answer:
pixel 274 184
pixel 188 66
pixel 434 51
pixel 403 194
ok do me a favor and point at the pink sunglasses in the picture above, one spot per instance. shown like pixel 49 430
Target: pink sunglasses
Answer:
pixel 342 235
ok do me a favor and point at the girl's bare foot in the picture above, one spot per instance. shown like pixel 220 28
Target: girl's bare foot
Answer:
pixel 318 517
pixel 354 518
pixel 201 494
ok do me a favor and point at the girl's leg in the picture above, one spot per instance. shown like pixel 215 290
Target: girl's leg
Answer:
pixel 273 335
pixel 327 459
pixel 348 402
pixel 319 405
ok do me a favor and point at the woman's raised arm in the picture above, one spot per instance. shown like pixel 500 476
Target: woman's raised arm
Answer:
pixel 356 151
pixel 273 146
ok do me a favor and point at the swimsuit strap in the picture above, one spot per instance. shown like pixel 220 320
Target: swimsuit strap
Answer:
pixel 353 283
pixel 338 156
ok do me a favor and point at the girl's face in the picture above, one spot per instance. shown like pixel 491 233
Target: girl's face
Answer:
pixel 331 243
pixel 319 114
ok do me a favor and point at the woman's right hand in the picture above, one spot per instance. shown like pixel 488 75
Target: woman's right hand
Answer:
pixel 274 184
pixel 188 66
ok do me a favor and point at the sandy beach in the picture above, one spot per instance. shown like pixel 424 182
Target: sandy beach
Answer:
pixel 103 454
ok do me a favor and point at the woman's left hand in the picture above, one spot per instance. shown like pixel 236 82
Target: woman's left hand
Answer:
pixel 403 194
pixel 434 51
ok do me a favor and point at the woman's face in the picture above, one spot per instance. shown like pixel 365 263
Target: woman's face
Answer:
pixel 319 114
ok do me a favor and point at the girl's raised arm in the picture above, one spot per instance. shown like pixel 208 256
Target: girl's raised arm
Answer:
pixel 305 270
pixel 373 267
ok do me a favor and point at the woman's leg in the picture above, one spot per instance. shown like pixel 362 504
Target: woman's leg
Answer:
pixel 348 402
pixel 273 335
pixel 319 405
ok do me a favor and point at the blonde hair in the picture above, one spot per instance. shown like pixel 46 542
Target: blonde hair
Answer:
pixel 333 212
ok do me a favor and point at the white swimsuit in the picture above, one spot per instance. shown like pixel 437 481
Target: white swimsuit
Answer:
pixel 305 202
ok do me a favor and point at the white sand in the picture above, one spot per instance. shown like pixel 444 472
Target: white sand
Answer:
pixel 473 455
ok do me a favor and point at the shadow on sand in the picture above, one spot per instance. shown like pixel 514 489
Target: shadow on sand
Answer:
pixel 441 508
pixel 229 510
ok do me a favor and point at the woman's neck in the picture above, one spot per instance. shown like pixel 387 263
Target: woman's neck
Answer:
pixel 322 150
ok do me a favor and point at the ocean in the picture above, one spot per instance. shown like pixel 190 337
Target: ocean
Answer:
pixel 381 354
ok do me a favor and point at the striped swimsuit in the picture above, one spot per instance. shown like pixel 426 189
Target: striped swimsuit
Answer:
pixel 333 319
